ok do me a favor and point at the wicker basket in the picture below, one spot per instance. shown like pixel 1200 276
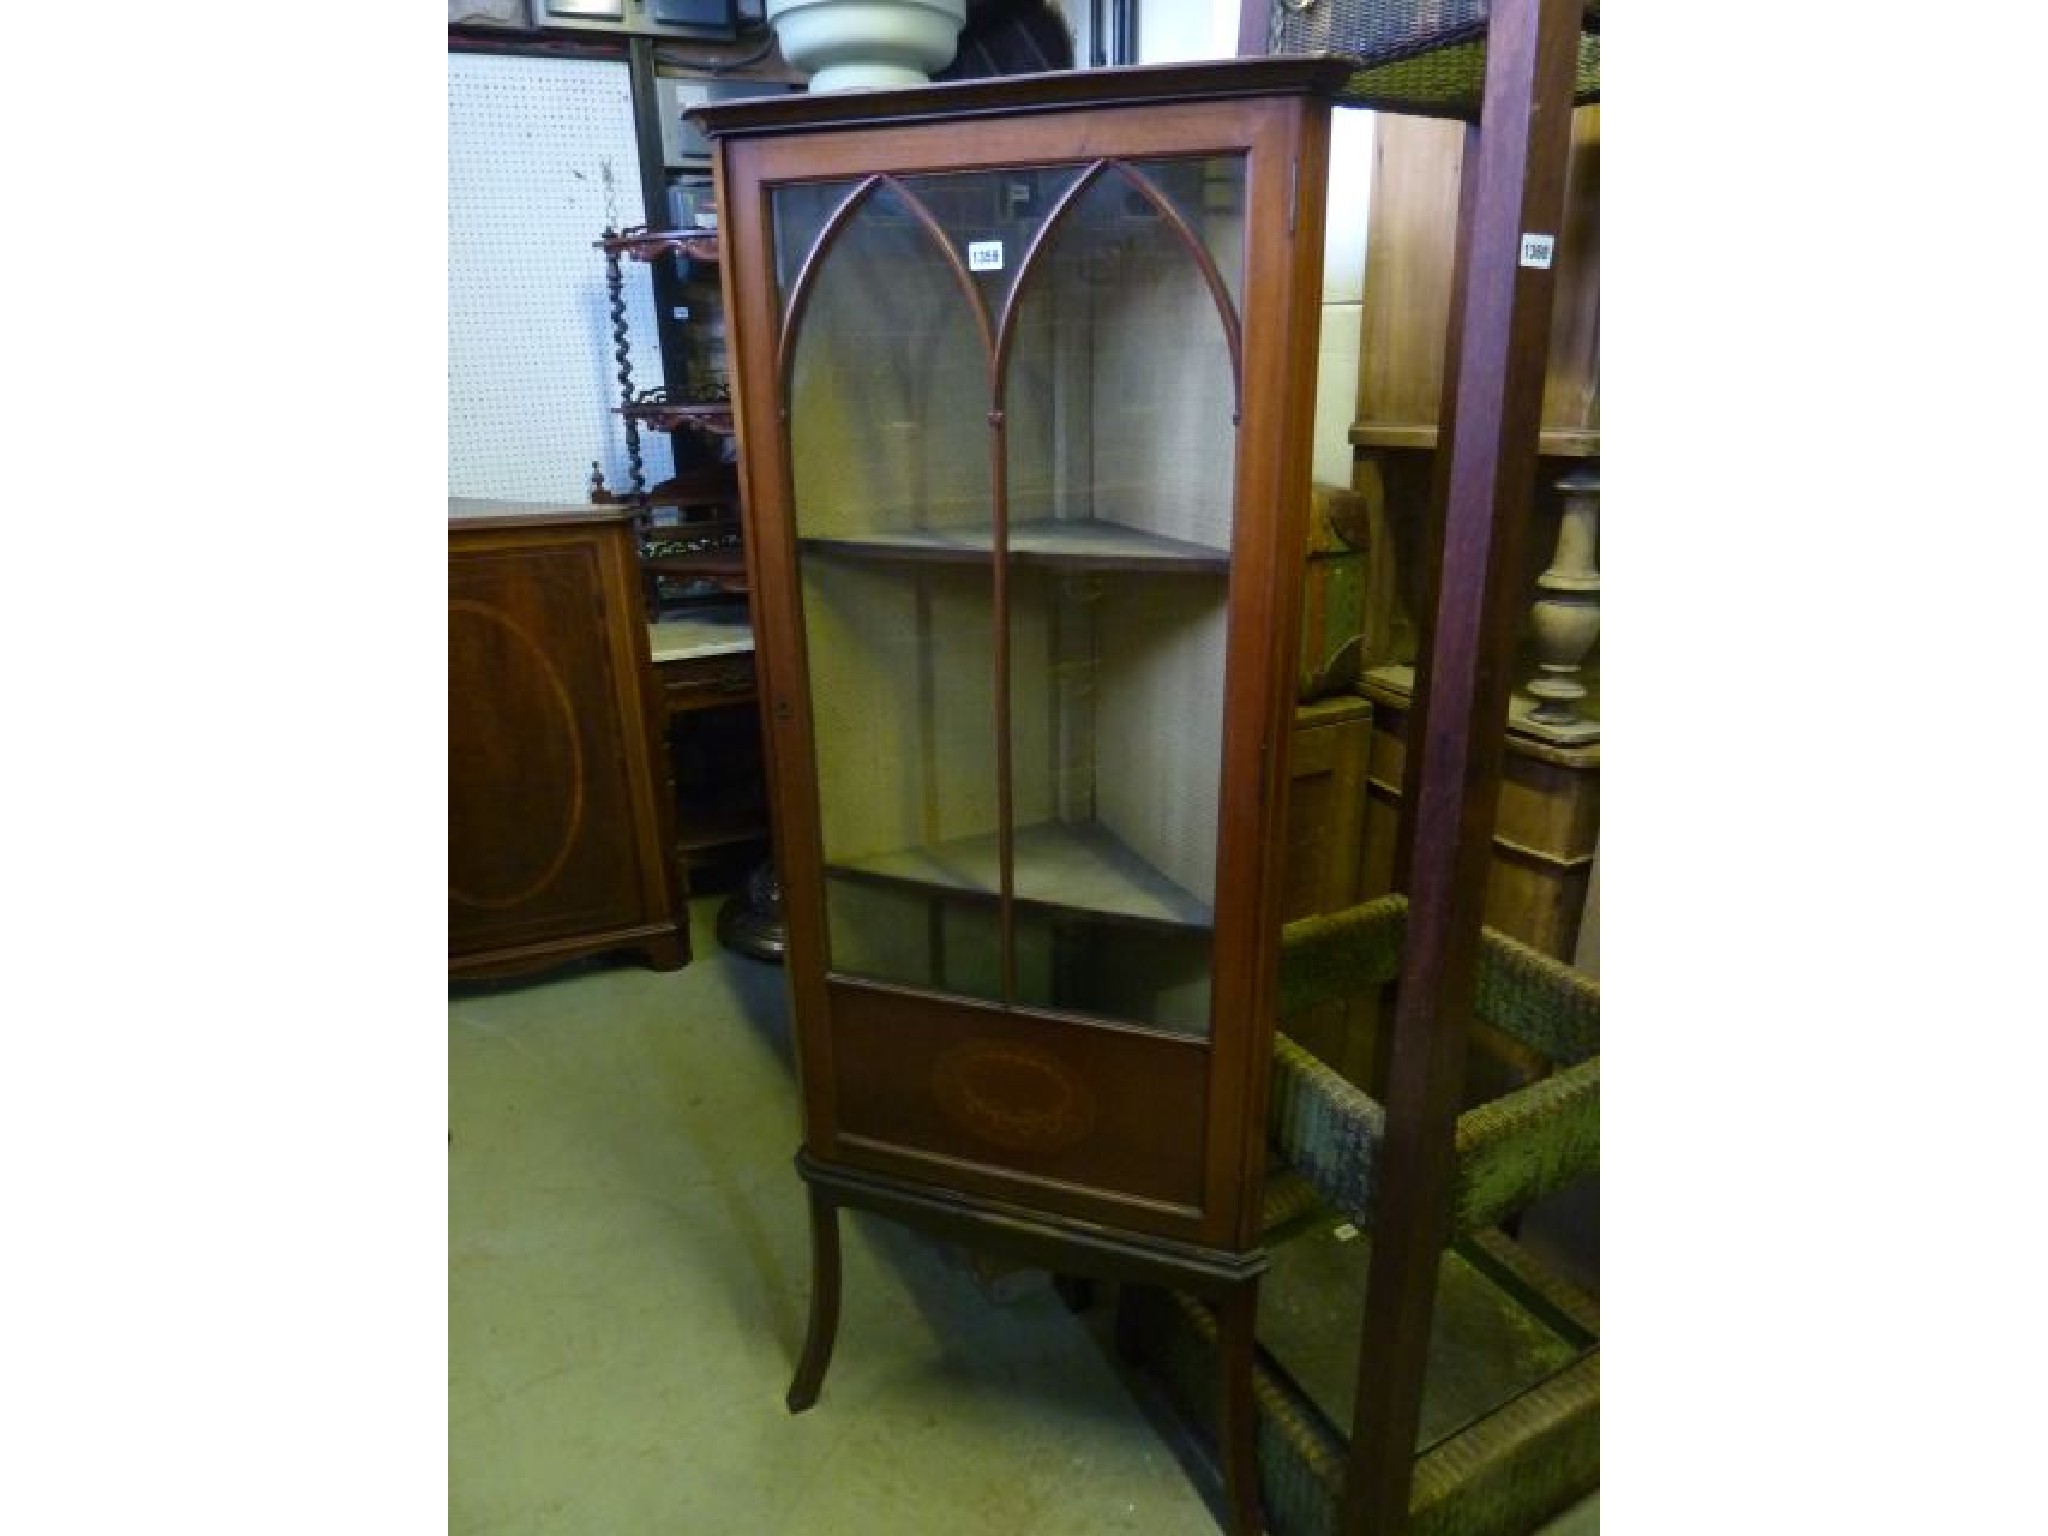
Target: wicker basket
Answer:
pixel 1510 1424
pixel 1422 56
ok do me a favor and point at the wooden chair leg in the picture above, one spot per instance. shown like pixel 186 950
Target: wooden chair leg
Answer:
pixel 1236 1414
pixel 824 1325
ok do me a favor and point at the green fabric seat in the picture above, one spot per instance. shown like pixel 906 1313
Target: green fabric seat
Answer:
pixel 1511 1431
pixel 1511 1151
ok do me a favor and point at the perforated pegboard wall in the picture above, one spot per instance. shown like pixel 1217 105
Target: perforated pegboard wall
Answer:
pixel 540 158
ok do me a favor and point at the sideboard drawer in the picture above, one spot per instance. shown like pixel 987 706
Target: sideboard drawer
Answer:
pixel 700 682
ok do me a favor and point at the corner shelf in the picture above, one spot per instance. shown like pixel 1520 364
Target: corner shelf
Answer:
pixel 1084 543
pixel 1025 818
pixel 647 244
pixel 1094 871
pixel 1421 437
pixel 664 415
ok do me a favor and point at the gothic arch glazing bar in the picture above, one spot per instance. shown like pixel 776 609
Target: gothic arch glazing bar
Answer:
pixel 835 226
pixel 1198 252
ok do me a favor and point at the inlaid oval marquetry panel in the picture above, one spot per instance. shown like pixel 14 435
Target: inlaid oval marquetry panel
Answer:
pixel 531 759
pixel 1016 1096
pixel 1058 1114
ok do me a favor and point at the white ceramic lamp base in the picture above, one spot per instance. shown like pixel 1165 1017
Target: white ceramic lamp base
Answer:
pixel 864 44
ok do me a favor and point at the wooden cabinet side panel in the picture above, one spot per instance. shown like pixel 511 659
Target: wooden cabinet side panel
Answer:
pixel 1326 818
pixel 1545 833
pixel 1282 314
pixel 1412 234
pixel 1325 810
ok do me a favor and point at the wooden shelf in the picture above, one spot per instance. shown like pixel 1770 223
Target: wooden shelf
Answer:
pixel 702 828
pixel 1551 443
pixel 1080 542
pixel 1090 869
pixel 714 416
pixel 1393 685
pixel 723 569
pixel 716 626
pixel 651 244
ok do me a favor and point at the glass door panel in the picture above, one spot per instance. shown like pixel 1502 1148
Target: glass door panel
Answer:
pixel 1116 743
pixel 1120 375
pixel 1209 196
pixel 1120 406
pixel 991 218
pixel 887 380
pixel 1077 324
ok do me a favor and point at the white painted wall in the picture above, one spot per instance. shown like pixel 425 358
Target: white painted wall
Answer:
pixel 1172 31
pixel 1176 31
pixel 1351 139
pixel 532 382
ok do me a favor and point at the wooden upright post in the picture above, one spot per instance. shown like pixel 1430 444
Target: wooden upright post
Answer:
pixel 1499 336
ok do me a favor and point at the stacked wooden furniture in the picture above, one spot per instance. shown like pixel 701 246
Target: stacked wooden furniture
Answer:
pixel 558 830
pixel 1423 1178
pixel 1549 811
pixel 1547 825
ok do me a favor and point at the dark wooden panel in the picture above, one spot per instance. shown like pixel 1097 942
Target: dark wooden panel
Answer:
pixel 553 841
pixel 1325 825
pixel 1011 1097
pixel 1546 827
pixel 1325 806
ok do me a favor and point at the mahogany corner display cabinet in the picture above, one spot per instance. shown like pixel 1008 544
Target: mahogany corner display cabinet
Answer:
pixel 1025 396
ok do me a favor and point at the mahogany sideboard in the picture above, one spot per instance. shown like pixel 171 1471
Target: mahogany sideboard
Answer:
pixel 558 824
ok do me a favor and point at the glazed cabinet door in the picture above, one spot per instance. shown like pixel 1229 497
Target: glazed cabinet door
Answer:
pixel 1014 563
pixel 1027 647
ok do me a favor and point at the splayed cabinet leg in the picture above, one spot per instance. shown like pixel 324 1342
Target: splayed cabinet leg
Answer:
pixel 1237 1312
pixel 824 1326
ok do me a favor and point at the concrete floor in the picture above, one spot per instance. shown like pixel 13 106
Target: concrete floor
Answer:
pixel 628 1274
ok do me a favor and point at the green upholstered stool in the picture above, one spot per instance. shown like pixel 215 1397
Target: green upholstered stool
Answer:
pixel 1510 1428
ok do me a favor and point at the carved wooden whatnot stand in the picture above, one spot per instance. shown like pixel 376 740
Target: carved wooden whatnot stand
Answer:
pixel 701 406
pixel 695 559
